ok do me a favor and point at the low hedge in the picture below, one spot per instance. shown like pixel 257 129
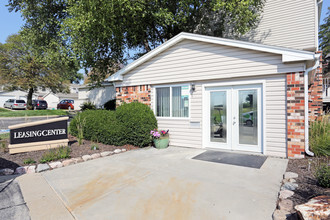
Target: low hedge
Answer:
pixel 129 124
pixel 137 120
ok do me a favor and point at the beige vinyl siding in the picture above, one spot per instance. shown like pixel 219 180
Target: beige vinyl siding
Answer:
pixel 287 23
pixel 197 61
pixel 182 134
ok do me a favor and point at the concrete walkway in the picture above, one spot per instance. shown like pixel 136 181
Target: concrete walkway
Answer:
pixel 154 184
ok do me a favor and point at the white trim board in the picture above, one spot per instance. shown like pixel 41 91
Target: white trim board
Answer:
pixel 288 55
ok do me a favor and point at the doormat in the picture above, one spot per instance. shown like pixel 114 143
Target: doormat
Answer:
pixel 243 160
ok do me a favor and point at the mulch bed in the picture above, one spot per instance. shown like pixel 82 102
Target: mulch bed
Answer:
pixel 307 183
pixel 13 161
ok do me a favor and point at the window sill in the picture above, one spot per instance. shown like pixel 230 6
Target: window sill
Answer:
pixel 173 118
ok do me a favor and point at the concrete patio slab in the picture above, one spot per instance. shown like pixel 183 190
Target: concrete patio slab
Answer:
pixel 167 184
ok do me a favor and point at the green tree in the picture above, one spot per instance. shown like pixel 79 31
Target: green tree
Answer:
pixel 324 37
pixel 22 67
pixel 101 33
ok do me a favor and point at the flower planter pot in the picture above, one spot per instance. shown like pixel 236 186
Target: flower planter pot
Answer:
pixel 161 143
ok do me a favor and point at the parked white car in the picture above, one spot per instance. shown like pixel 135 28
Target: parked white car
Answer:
pixel 15 104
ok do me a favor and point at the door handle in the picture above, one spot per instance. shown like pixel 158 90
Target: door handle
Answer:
pixel 234 122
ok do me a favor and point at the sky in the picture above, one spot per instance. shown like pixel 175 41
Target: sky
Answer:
pixel 10 23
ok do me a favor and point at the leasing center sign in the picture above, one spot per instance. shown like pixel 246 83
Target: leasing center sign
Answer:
pixel 38 135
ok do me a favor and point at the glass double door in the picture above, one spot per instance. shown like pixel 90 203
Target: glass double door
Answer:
pixel 234 117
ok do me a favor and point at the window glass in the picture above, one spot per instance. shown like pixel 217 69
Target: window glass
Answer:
pixel 20 101
pixel 163 102
pixel 180 101
pixel 175 98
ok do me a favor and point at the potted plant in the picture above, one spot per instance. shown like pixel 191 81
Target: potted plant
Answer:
pixel 160 138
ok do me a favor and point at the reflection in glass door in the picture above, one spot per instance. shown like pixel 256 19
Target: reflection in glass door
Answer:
pixel 233 117
pixel 218 116
pixel 248 117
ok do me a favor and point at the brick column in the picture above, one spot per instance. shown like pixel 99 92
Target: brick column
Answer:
pixel 295 115
pixel 128 94
pixel 315 104
pixel 296 110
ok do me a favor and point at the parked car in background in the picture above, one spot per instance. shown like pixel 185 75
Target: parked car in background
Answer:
pixel 66 104
pixel 15 104
pixel 39 104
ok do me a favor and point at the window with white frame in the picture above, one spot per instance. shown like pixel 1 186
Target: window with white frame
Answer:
pixel 172 101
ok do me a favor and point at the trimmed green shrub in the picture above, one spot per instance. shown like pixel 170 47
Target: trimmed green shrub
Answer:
pixel 136 120
pixel 98 124
pixel 129 124
pixel 319 136
pixel 87 105
pixel 323 175
pixel 110 105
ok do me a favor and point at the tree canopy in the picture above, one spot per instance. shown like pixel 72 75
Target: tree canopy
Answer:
pixel 24 68
pixel 105 33
pixel 324 37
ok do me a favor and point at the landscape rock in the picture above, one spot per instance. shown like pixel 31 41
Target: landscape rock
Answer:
pixel 289 186
pixel 280 214
pixel 20 170
pixel 292 180
pixel 123 150
pixel 285 205
pixel 284 194
pixel 316 208
pixel 96 155
pixel 67 162
pixel 117 151
pixel 106 153
pixel 31 169
pixel 290 175
pixel 55 165
pixel 42 167
pixel 77 159
pixel 6 171
pixel 86 157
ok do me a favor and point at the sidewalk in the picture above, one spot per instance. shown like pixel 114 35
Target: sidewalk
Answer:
pixel 41 199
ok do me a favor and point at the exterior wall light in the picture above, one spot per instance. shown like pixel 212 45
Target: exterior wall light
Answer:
pixel 192 87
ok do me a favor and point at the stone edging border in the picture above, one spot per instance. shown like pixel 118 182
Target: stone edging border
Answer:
pixel 57 164
pixel 285 209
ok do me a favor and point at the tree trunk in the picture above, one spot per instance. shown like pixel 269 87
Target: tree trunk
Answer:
pixel 29 98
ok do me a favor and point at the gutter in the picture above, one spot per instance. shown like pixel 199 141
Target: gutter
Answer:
pixel 317 63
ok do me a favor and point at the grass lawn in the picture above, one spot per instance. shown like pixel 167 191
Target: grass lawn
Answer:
pixel 23 113
pixel 4 136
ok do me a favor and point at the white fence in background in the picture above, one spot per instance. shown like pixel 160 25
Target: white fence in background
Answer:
pixel 326 90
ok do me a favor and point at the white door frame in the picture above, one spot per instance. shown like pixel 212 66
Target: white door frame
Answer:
pixel 228 144
pixel 205 109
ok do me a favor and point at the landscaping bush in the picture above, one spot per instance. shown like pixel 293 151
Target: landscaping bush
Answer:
pixel 136 120
pixel 98 124
pixel 129 124
pixel 323 175
pixel 56 154
pixel 87 105
pixel 29 161
pixel 110 105
pixel 319 136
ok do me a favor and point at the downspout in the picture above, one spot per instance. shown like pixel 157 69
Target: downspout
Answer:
pixel 317 63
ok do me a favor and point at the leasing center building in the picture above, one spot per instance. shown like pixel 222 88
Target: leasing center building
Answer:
pixel 236 95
